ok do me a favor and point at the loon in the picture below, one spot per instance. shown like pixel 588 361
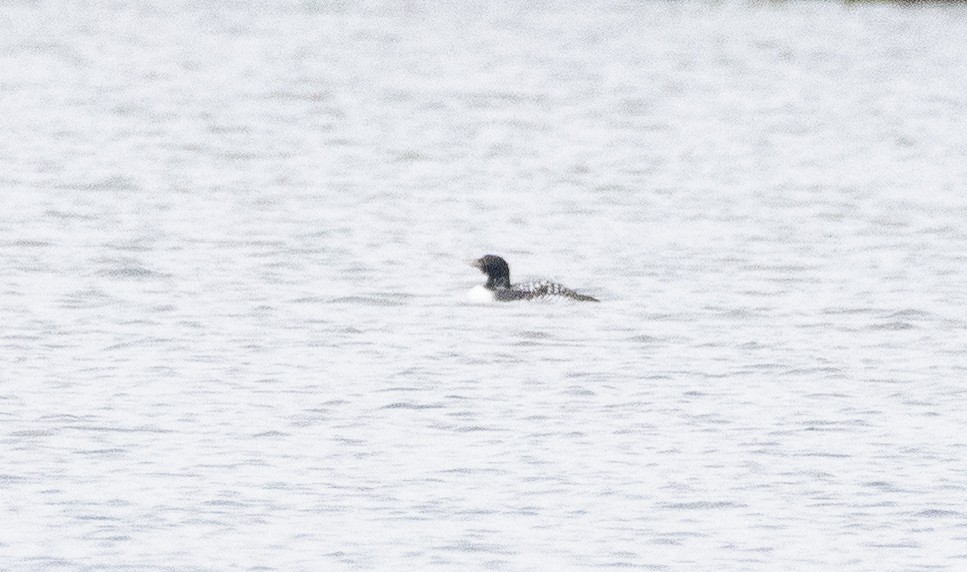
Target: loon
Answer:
pixel 499 288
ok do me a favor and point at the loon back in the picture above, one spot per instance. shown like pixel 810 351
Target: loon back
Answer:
pixel 544 288
pixel 498 281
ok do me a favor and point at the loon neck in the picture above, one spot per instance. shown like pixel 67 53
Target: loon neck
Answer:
pixel 495 282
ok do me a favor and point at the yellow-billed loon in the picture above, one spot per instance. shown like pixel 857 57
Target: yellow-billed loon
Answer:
pixel 498 287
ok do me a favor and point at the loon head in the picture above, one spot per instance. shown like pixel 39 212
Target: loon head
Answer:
pixel 496 269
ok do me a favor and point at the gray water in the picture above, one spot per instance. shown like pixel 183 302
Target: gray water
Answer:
pixel 235 334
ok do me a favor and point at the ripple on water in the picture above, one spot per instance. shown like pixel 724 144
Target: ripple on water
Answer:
pixel 126 268
pixel 379 301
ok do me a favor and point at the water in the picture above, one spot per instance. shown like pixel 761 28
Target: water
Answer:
pixel 234 241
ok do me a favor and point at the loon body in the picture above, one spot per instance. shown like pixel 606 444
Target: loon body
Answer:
pixel 499 288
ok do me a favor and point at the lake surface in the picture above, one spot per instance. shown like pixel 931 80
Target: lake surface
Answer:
pixel 235 236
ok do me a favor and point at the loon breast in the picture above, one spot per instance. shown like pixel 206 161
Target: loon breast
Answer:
pixel 480 294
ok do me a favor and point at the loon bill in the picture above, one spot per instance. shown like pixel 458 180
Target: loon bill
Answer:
pixel 499 288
